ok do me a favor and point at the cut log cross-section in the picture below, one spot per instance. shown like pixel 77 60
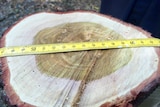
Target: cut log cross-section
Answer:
pixel 96 78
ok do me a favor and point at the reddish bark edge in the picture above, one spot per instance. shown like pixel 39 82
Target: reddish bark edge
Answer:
pixel 11 94
pixel 124 102
pixel 119 102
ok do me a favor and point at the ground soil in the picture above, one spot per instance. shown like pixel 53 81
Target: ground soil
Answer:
pixel 13 10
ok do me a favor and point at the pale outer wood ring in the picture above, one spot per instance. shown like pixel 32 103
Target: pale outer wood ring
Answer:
pixel 14 98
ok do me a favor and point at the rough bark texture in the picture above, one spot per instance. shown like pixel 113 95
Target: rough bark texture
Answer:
pixel 13 10
pixel 113 88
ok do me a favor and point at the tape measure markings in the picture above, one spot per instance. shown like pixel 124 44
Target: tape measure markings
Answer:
pixel 80 46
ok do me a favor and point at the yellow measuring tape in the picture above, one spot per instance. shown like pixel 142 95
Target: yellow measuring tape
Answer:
pixel 68 47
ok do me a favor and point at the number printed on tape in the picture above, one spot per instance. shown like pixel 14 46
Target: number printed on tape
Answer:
pixel 80 46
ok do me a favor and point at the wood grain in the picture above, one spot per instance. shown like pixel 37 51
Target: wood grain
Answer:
pixel 76 65
pixel 84 79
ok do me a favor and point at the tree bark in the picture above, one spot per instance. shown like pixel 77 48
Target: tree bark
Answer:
pixel 96 78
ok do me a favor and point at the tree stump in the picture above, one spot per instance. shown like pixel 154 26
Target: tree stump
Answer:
pixel 99 78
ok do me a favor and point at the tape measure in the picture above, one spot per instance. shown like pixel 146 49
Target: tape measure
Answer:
pixel 81 46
